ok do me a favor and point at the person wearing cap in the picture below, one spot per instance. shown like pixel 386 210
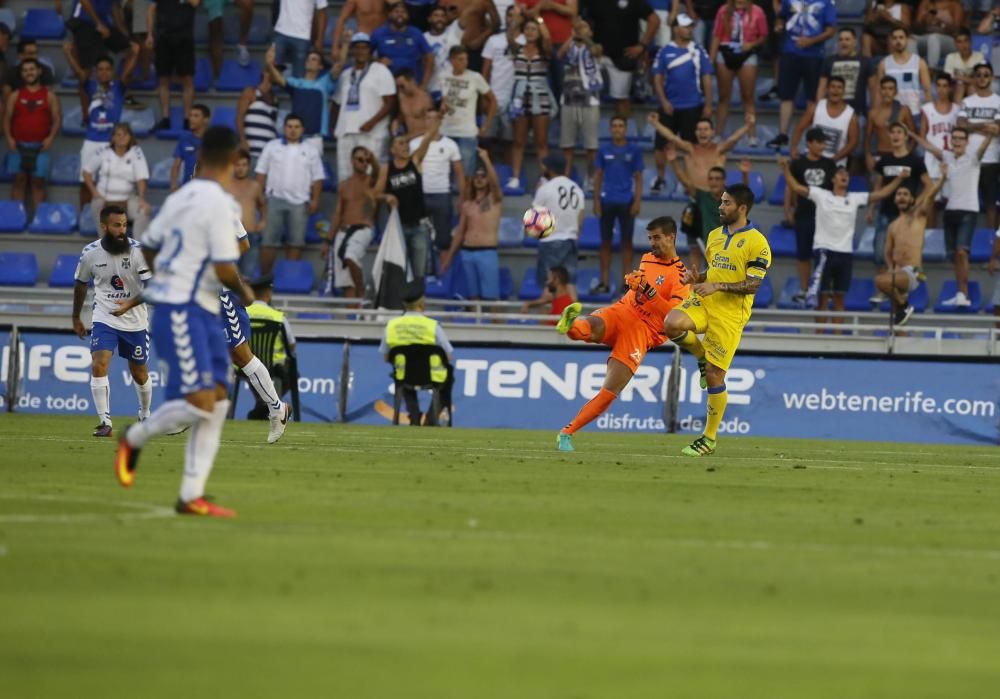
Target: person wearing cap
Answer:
pixel 414 328
pixel 261 309
pixel 365 97
pixel 564 198
pixel 682 76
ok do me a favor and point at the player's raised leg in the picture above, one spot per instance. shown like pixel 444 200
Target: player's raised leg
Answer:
pixel 100 387
pixel 618 376
pixel 682 330
pixel 586 329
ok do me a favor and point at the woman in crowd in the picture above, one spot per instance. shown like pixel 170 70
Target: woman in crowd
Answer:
pixel 118 174
pixel 532 103
pixel 740 29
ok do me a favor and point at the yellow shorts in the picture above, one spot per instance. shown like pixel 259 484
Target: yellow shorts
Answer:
pixel 720 339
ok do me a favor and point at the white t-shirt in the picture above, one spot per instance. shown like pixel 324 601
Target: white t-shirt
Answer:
pixel 437 164
pixel 295 17
pixel 963 181
pixel 117 176
pixel 197 226
pixel 835 218
pixel 462 94
pixel 116 278
pixel 291 169
pixel 364 101
pixel 956 67
pixel 440 46
pixel 982 110
pixel 496 50
pixel 564 198
pixel 938 133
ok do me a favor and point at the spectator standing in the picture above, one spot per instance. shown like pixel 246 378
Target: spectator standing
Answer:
pixel 105 96
pixel 807 26
pixel 558 17
pixel 994 257
pixel 352 224
pixel 937 120
pixel 369 15
pixel 257 115
pixel 400 46
pixel 532 103
pixel 564 198
pixel 960 64
pixel 616 29
pixel 980 116
pixel 478 232
pixel 171 36
pixel 881 18
pixel 461 90
pixel 122 175
pixel 618 179
pixel 366 96
pixel 962 209
pixel 301 25
pixel 98 29
pixel 682 77
pixel 188 145
pixel 814 169
pixel 740 30
pixel 705 152
pixel 936 24
pixel 32 120
pixel 858 73
pixel 414 105
pixel 440 38
pixel 498 71
pixel 401 184
pixel 835 118
pixel 216 37
pixel 247 192
pixel 441 161
pixel 581 97
pixel 701 216
pixel 290 173
pixel 888 110
pixel 477 20
pixel 913 80
pixel 310 94
pixel 26 48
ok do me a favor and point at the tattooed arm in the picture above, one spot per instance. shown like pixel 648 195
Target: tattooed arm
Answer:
pixel 747 286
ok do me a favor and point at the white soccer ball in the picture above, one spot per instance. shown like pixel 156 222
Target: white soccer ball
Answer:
pixel 538 222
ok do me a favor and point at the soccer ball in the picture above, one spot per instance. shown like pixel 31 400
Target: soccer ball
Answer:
pixel 538 222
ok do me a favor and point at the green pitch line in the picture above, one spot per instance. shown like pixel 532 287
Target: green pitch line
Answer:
pixel 393 562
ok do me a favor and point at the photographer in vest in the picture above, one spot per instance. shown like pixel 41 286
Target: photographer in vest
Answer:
pixel 414 328
pixel 277 363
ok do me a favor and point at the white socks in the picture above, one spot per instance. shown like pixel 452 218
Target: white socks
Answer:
pixel 260 379
pixel 100 388
pixel 145 394
pixel 202 446
pixel 169 417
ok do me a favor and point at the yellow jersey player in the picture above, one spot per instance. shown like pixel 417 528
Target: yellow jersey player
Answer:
pixel 719 305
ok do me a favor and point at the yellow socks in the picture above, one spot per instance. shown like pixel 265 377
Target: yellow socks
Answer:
pixel 717 399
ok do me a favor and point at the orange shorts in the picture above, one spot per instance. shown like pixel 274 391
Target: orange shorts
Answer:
pixel 627 335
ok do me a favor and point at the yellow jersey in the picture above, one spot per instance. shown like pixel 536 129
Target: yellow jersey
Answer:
pixel 732 257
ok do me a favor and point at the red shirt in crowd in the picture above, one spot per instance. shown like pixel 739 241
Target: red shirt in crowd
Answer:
pixel 560 26
pixel 32 118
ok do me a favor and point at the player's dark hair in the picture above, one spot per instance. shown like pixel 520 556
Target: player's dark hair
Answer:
pixel 836 79
pixel 666 224
pixel 815 134
pixel 356 149
pixel 897 125
pixel 105 59
pixel 900 28
pixel 944 76
pixel 407 74
pixel 25 43
pixel 847 30
pixel 218 146
pixel 28 62
pixel 704 119
pixel 718 169
pixel 205 111
pixel 964 31
pixel 456 50
pixel 741 194
pixel 127 128
pixel 619 118
pixel 292 116
pixel 888 79
pixel 110 210
pixel 987 66
pixel 960 129
pixel 243 154
pixel 837 169
pixel 322 58
pixel 560 273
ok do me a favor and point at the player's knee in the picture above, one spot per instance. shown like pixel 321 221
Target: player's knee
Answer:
pixel 715 376
pixel 99 367
pixel 673 326
pixel 140 373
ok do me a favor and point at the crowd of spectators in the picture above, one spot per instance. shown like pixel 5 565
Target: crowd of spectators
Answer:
pixel 476 77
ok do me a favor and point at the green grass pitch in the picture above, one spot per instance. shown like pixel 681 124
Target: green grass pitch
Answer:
pixel 396 562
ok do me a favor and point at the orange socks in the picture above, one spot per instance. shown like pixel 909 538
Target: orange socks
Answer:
pixel 594 407
pixel 579 330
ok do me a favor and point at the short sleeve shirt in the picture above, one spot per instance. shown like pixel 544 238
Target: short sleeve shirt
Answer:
pixel 619 165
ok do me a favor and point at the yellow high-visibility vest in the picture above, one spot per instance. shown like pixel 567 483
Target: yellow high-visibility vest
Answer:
pixel 414 329
pixel 261 311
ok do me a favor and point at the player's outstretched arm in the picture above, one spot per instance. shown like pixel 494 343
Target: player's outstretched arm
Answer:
pixel 926 198
pixel 928 146
pixel 791 183
pixel 887 190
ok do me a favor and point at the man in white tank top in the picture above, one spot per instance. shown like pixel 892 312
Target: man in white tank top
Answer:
pixel 913 80
pixel 936 121
pixel 837 120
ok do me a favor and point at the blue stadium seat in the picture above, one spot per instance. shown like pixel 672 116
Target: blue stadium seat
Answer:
pixel 756 183
pixel 777 197
pixel 587 280
pixel 590 235
pixel 764 134
pixel 919 299
pixel 949 289
pixel 789 290
pixel 312 232
pixel 765 294
pixel 42 24
pixel 7 17
pixel 293 277
pixel 72 122
pixel 142 121
pixel 65 169
pixel 649 176
pixel 850 8
pixel 640 236
pixel 176 125
pixel 934 245
pixel 55 219
pixel 149 83
pixel 159 174
pixel 88 227
pixel 224 116
pixel 982 245
pixel 506 283
pixel 782 241
pixel 446 286
pixel 235 77
pixel 511 233
pixel 18 269
pixel 504 174
pixel 864 244
pixel 858 183
pixel 63 271
pixel 4 175
pixel 529 286
pixel 13 217
pixel 858 294
pixel 329 177
pixel 983 43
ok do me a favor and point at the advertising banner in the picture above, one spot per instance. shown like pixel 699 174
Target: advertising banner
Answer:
pixel 542 388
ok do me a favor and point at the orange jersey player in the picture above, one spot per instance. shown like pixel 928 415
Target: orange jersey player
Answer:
pixel 634 325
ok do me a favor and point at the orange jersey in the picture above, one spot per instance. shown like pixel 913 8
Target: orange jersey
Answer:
pixel 662 291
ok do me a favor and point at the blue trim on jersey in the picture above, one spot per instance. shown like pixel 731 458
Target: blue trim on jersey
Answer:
pixel 197 280
pixel 729 236
pixel 716 389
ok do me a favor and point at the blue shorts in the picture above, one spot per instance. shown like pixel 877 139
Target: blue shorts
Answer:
pixel 41 168
pixel 482 272
pixel 235 320
pixel 189 343
pixel 132 345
